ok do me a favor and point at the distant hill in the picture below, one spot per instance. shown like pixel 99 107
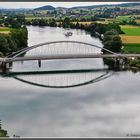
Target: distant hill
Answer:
pixel 107 5
pixel 61 8
pixel 15 10
pixel 129 4
pixel 47 7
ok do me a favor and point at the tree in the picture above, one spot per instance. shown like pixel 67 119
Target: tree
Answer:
pixel 114 26
pixel 52 23
pixel 100 28
pixel 21 19
pixel 132 22
pixel 112 41
pixel 20 37
pixel 35 22
pixel 15 21
pixel 66 22
pixel 43 22
pixel 3 44
pixel 3 133
pixel 77 25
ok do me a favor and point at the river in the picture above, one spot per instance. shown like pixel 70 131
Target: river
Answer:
pixel 70 104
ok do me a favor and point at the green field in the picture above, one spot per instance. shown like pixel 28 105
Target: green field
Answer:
pixel 39 17
pixel 4 30
pixel 131 48
pixel 132 31
pixel 122 18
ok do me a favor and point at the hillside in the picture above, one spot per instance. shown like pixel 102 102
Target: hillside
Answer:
pixel 107 5
pixel 47 7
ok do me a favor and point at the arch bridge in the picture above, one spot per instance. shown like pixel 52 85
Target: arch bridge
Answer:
pixel 61 50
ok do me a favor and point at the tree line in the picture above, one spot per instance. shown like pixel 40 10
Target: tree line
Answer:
pixel 18 36
pixel 111 31
pixel 16 39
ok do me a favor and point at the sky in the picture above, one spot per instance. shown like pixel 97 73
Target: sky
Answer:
pixel 55 4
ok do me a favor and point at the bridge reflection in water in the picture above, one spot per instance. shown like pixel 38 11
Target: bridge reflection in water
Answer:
pixel 62 78
pixel 59 78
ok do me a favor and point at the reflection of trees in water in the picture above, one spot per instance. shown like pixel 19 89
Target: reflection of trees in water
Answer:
pixel 116 64
pixel 3 133
pixel 109 62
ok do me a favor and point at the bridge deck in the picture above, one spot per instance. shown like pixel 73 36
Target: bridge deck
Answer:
pixel 67 56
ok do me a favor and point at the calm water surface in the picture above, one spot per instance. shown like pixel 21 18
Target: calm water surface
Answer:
pixel 88 104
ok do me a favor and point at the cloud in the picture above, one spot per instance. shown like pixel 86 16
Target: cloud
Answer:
pixel 90 111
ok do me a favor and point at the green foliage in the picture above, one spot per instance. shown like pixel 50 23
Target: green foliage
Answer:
pixel 12 42
pixel 114 26
pixel 52 23
pixel 66 22
pixel 43 22
pixel 112 41
pixel 127 19
pixel 102 28
pixel 111 32
pixel 20 37
pixel 134 63
pixel 15 21
pixel 35 22
pixel 3 44
pixel 3 133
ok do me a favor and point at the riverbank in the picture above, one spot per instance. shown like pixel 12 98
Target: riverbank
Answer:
pixel 13 34
pixel 108 33
pixel 134 64
pixel 3 133
pixel 14 40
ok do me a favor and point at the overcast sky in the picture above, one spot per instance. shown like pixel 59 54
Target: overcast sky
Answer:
pixel 55 4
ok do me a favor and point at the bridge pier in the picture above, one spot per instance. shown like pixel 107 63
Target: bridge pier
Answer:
pixel 5 66
pixel 39 63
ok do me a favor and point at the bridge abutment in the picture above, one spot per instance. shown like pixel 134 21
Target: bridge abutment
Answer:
pixel 5 66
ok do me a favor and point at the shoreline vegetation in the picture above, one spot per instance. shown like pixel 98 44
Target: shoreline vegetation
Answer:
pixel 112 33
pixel 14 35
pixel 3 133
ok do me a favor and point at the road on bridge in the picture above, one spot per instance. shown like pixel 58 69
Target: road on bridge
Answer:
pixel 67 56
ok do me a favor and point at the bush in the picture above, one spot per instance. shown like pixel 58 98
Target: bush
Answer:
pixel 112 41
pixel 17 39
